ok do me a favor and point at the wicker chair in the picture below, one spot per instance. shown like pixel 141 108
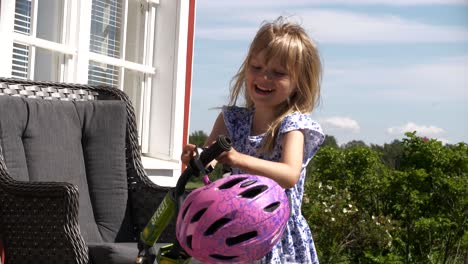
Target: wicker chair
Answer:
pixel 45 216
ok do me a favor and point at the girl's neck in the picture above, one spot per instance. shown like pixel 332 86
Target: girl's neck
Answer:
pixel 261 121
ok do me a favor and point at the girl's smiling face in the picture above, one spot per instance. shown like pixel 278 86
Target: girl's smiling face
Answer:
pixel 267 84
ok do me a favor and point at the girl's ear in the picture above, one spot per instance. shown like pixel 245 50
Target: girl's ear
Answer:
pixel 294 92
pixel 293 97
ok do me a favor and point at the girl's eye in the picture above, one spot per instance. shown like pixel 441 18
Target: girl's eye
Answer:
pixel 279 74
pixel 255 68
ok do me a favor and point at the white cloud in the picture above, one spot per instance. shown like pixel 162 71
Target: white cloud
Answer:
pixel 436 81
pixel 393 2
pixel 262 4
pixel 340 123
pixel 342 27
pixel 422 130
pixel 335 26
pixel 226 32
pixel 444 140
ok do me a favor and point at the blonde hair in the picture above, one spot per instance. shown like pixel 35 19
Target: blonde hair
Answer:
pixel 289 43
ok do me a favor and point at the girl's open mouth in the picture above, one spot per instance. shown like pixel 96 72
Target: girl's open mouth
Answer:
pixel 262 91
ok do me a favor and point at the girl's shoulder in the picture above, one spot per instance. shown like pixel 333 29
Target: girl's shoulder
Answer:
pixel 313 134
pixel 237 121
pixel 232 113
pixel 235 110
pixel 300 121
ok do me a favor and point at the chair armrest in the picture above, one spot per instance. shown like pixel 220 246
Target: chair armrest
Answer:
pixel 2 252
pixel 40 222
pixel 146 199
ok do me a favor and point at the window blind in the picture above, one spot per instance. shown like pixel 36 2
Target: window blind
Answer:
pixel 106 17
pixel 22 25
pixel 102 74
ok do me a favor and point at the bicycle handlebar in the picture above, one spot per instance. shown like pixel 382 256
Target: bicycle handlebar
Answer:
pixel 223 143
pixel 173 200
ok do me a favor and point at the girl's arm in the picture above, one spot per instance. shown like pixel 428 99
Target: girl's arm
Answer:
pixel 219 128
pixel 285 172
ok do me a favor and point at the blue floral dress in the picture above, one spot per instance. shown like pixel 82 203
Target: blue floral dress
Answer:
pixel 297 244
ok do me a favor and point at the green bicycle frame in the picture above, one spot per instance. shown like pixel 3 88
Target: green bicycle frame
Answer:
pixel 159 221
pixel 174 254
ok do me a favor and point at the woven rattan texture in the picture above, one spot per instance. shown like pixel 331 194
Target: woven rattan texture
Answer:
pixel 38 220
pixel 46 92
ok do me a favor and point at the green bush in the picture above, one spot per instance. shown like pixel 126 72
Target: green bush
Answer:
pixel 361 210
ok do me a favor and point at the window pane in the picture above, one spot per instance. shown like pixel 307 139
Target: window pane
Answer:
pixel 133 88
pixel 134 46
pixel 47 65
pixel 49 20
pixel 103 74
pixel 106 16
pixel 23 16
pixel 20 63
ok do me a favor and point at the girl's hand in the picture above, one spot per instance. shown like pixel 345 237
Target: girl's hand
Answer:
pixel 230 158
pixel 286 172
pixel 188 151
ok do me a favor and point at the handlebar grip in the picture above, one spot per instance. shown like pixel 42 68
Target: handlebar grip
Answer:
pixel 173 200
pixel 223 143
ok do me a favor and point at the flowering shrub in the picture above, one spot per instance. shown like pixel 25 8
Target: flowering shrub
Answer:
pixel 361 211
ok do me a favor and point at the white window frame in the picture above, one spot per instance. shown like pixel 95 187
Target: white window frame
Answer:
pixel 164 69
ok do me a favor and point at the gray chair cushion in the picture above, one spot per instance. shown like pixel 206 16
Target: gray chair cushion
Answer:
pixel 116 253
pixel 103 145
pixel 82 143
pixel 12 126
pixel 113 253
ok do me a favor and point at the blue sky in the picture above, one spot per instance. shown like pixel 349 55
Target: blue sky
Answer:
pixel 390 66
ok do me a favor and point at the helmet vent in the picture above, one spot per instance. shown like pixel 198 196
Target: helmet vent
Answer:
pixel 231 183
pixel 254 191
pixel 198 215
pixel 216 226
pixel 185 210
pixel 241 238
pixel 248 183
pixel 189 242
pixel 221 257
pixel 272 207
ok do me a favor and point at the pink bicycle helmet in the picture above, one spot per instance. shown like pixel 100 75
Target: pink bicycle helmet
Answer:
pixel 234 219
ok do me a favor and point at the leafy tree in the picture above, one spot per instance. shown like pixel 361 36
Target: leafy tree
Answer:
pixel 354 143
pixel 343 206
pixel 390 153
pixel 330 141
pixel 429 198
pixel 198 138
pixel 405 202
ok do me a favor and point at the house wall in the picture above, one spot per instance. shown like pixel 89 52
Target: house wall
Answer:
pixel 164 100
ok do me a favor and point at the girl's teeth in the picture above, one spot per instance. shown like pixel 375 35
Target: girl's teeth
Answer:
pixel 263 89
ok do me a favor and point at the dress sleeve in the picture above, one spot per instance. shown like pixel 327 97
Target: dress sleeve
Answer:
pixel 234 119
pixel 313 134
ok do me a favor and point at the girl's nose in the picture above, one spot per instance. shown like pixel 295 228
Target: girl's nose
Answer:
pixel 267 75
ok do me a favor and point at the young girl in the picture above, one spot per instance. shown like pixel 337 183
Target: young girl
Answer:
pixel 273 135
